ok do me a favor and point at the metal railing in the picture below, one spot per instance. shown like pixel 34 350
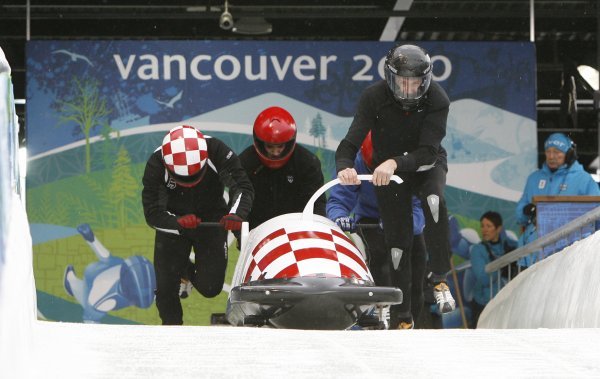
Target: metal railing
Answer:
pixel 538 246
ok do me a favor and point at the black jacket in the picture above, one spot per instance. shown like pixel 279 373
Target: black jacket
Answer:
pixel 164 201
pixel 286 189
pixel 412 138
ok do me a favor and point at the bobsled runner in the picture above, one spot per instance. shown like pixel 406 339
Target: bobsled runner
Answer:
pixel 301 271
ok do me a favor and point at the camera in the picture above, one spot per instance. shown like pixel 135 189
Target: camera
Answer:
pixel 226 21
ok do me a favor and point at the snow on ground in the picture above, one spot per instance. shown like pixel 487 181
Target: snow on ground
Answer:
pixel 42 349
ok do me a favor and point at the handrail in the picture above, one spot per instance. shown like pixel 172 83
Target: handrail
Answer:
pixel 544 241
pixel 308 211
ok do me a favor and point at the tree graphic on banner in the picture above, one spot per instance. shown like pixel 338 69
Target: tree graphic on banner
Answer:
pixel 318 131
pixel 124 187
pixel 86 109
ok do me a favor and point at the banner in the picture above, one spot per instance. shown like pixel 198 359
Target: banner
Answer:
pixel 96 110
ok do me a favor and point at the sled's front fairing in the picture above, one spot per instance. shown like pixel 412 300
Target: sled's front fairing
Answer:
pixel 299 273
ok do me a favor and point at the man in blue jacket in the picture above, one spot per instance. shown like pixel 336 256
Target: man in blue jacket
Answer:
pixel 361 201
pixel 561 174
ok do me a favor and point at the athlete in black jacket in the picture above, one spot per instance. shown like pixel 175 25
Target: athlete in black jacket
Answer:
pixel 407 115
pixel 183 183
pixel 284 174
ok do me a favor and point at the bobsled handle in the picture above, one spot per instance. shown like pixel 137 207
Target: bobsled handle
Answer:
pixel 308 211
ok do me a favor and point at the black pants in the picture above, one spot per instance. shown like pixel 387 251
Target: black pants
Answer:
pixel 410 277
pixel 395 207
pixel 437 239
pixel 171 263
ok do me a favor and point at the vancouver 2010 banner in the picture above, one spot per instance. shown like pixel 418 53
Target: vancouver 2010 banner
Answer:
pixel 96 110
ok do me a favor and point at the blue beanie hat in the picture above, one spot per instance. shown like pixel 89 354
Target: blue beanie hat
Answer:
pixel 558 141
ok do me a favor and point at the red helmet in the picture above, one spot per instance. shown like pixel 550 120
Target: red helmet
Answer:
pixel 366 150
pixel 274 126
pixel 184 154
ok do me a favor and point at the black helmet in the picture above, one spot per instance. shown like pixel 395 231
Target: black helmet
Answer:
pixel 408 74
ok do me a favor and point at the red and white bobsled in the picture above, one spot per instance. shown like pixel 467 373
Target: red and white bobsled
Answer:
pixel 301 271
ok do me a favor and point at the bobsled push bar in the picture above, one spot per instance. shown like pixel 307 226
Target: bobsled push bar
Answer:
pixel 308 211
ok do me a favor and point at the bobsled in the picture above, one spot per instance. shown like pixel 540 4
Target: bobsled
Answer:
pixel 301 271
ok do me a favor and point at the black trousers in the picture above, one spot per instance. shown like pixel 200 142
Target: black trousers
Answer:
pixel 437 238
pixel 171 263
pixel 395 207
pixel 409 278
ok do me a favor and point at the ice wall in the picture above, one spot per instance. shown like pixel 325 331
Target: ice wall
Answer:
pixel 562 291
pixel 17 288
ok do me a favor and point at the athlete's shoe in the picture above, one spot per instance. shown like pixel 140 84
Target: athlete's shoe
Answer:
pixel 443 298
pixel 185 288
pixel 404 325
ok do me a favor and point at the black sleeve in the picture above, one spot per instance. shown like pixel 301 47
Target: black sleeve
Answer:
pixel 433 131
pixel 363 121
pixel 233 176
pixel 154 197
pixel 312 180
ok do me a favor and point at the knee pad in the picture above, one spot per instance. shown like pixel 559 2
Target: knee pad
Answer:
pixel 433 201
pixel 396 257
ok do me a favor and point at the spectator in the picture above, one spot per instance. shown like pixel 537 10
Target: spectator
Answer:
pixel 494 244
pixel 561 174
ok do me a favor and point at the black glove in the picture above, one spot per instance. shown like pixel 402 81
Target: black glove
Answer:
pixel 529 210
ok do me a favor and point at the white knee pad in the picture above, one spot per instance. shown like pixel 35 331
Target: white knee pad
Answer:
pixel 434 206
pixel 396 257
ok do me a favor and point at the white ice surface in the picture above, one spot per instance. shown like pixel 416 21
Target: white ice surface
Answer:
pixel 41 349
pixel 562 291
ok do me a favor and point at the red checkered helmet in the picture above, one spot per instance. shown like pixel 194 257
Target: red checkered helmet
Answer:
pixel 366 150
pixel 274 126
pixel 184 154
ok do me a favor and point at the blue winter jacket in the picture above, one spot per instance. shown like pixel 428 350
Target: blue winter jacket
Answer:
pixel 573 180
pixel 361 200
pixel 479 259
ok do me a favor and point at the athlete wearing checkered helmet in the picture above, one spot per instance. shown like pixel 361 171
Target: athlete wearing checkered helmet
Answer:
pixel 184 182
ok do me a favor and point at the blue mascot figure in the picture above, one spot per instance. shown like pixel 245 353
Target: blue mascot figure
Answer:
pixel 112 283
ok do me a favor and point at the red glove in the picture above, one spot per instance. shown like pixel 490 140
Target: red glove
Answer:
pixel 231 222
pixel 189 221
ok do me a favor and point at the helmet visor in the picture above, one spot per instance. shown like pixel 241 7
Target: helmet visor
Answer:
pixel 408 87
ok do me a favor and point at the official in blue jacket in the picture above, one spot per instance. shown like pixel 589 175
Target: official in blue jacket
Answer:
pixel 561 175
pixel 351 204
pixel 494 244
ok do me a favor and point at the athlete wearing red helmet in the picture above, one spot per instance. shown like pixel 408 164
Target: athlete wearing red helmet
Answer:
pixel 274 135
pixel 183 183
pixel 284 174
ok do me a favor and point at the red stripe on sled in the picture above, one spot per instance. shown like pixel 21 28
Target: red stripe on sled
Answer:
pixel 311 234
pixel 267 239
pixel 342 236
pixel 290 271
pixel 347 272
pixel 315 252
pixel 351 254
pixel 274 254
